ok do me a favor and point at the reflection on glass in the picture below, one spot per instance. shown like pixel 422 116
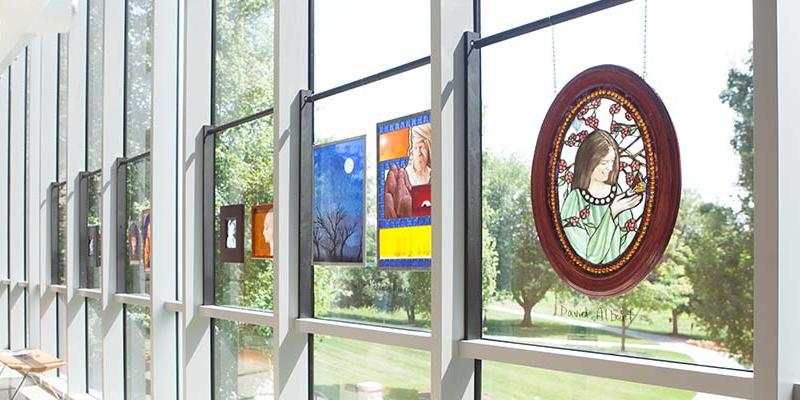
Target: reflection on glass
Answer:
pixel 61 332
pixel 137 353
pixel 242 361
pixel 94 230
pixel 62 102
pixel 684 310
pixel 138 76
pixel 94 111
pixel 59 279
pixel 243 59
pixel 94 347
pixel 513 382
pixel 351 369
pixel 244 176
pixel 139 232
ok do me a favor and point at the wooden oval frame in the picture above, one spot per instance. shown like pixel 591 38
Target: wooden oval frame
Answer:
pixel 664 189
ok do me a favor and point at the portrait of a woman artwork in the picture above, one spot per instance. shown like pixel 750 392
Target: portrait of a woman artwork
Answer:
pixel 605 181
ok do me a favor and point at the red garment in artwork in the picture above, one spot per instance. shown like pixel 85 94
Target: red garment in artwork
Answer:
pixel 421 200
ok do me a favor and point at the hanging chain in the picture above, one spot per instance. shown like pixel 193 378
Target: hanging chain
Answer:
pixel 644 43
pixel 553 50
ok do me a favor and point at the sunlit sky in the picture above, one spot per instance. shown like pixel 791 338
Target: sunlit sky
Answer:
pixel 691 46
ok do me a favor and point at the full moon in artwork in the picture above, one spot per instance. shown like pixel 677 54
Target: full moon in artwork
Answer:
pixel 348 165
pixel 605 181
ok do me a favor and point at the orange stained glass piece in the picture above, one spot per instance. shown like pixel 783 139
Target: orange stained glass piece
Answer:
pixel 393 145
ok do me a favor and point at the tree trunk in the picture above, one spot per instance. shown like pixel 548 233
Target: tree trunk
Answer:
pixel 411 315
pixel 555 305
pixel 675 322
pixel 624 328
pixel 526 318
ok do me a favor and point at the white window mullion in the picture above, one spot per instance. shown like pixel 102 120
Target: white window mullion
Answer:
pixel 196 114
pixel 113 89
pixel 47 175
pixel 452 377
pixel 164 197
pixel 35 222
pixel 5 317
pixel 16 199
pixel 290 347
pixel 76 162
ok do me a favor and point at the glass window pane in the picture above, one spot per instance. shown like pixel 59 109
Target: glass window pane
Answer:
pixel 514 382
pixel 63 98
pixel 139 237
pixel 353 38
pixel 683 311
pixel 62 236
pixel 367 294
pixel 137 353
pixel 138 76
pixel 94 134
pixel 94 346
pixel 61 332
pixel 94 230
pixel 244 176
pixel 242 361
pixel 351 369
pixel 496 15
pixel 243 61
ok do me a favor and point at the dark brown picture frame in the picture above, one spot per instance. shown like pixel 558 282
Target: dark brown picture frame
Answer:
pixel 226 214
pixel 664 186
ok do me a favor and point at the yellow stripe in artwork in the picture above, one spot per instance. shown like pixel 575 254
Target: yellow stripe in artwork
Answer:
pixel 405 242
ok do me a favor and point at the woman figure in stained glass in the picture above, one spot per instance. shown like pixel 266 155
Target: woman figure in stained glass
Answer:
pixel 596 214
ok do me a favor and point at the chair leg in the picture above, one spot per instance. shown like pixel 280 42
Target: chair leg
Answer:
pixel 20 385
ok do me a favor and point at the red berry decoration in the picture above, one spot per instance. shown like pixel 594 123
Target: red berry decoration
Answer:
pixel 585 213
pixel 635 165
pixel 573 221
pixel 569 177
pixel 583 111
pixel 630 226
pixel 562 166
pixel 622 165
pixel 582 135
pixel 629 179
pixel 615 108
pixel 596 103
pixel 628 116
pixel 592 121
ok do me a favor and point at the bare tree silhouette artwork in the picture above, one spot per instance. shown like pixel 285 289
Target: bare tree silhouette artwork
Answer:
pixel 331 232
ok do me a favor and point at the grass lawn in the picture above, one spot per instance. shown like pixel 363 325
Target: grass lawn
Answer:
pixel 340 364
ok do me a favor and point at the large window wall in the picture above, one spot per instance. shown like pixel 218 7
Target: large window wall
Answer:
pixel 237 103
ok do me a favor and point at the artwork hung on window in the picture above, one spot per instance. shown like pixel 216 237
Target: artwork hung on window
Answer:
pixel 147 236
pixel 231 227
pixel 339 196
pixel 404 192
pixel 262 226
pixel 134 242
pixel 93 236
pixel 605 181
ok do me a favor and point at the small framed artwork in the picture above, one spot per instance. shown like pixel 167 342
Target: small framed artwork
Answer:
pixel 147 238
pixel 231 235
pixel 94 244
pixel 339 196
pixel 605 181
pixel 134 241
pixel 261 236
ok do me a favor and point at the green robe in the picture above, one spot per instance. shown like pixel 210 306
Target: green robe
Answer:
pixel 598 237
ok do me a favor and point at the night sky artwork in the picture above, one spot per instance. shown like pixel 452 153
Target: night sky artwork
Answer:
pixel 338 226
